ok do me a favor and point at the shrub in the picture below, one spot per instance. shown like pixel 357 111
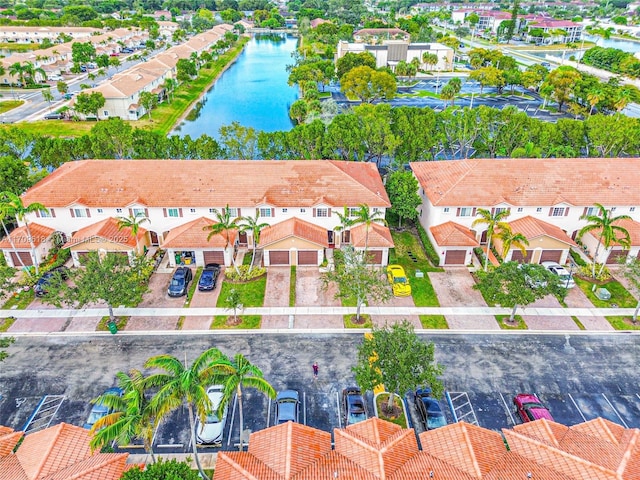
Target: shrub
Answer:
pixel 578 260
pixel 585 271
pixel 243 274
pixel 428 246
pixel 480 254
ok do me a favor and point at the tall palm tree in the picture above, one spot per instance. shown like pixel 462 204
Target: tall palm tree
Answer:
pixel 238 373
pixel 17 70
pixel 251 224
pixel 346 221
pixel 594 97
pixel 4 213
pixel 132 415
pixel 510 239
pixel 181 383
pixel 604 223
pixel 365 215
pixel 493 221
pixel 15 207
pixel 133 222
pixel 224 224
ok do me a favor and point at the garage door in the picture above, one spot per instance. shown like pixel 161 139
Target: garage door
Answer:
pixel 551 256
pixel 455 257
pixel 24 256
pixel 516 256
pixel 375 257
pixel 279 258
pixel 616 256
pixel 213 256
pixel 308 257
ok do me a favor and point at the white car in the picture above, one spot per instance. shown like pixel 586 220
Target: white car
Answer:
pixel 211 431
pixel 566 280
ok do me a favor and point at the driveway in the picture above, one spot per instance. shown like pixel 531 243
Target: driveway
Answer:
pixel 537 322
pixel 157 297
pixel 203 300
pixel 577 299
pixel 276 294
pixel 382 320
pixel 309 293
pixel 454 288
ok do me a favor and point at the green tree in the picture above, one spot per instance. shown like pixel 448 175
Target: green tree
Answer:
pixel 346 222
pixel 430 59
pixel 494 221
pixel 186 70
pixel 488 77
pixel 368 84
pixel 239 142
pixel 563 81
pixel 14 175
pixel 179 384
pixel 17 70
pixel 234 302
pixel 225 223
pixel 402 188
pixel 5 342
pixel 254 226
pixel 106 277
pixel 448 94
pixel 131 415
pixel 508 34
pixel 47 96
pixel 149 101
pixel 82 53
pixel 132 223
pixel 12 205
pixel 355 279
pixel 162 470
pixel 604 225
pixel 62 87
pixel 89 103
pixel 112 138
pixel 509 239
pixel 170 85
pixel 367 216
pixel 513 284
pixel 298 111
pixel 394 356
pixel 239 373
pixel 352 60
pixel 630 269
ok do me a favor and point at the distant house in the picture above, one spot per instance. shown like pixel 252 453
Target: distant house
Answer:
pixel 162 15
pixel 390 52
pixel 377 35
pixel 317 21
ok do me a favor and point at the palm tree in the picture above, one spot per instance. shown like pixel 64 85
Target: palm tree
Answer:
pixel 133 222
pixel 132 416
pixel 17 70
pixel 180 384
pixel 510 239
pixel 4 213
pixel 224 224
pixel 448 94
pixel 238 373
pixel 594 97
pixel 493 221
pixel 251 224
pixel 365 215
pixel 47 96
pixel 169 85
pixel 430 59
pixel 604 223
pixel 346 221
pixel 15 207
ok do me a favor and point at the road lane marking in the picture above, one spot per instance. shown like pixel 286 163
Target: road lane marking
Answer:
pixel 506 406
pixel 338 410
pixel 615 411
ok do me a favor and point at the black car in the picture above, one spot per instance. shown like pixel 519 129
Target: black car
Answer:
pixel 40 288
pixel 180 282
pixel 54 116
pixel 429 409
pixel 353 406
pixel 209 277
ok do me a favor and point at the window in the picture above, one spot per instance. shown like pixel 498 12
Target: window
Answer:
pixel 612 209
pixel 284 210
pixel 100 210
pixel 591 211
pixel 192 210
pixel 118 210
pixel 499 209
pixel 80 212
pixel 44 214
pixel 632 209
pixel 322 212
pixel 539 209
pixel 265 212
pixel 466 212
pixel 519 209
pixel 138 212
pixel 303 210
pixel 446 210
pixel 212 210
pixel 557 211
pixel 173 212
pixel 353 211
pixel 105 113
pixel 233 212
pixel 376 210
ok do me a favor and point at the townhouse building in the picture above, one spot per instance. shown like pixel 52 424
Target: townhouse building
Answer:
pixel 19 34
pixel 180 199
pixel 546 198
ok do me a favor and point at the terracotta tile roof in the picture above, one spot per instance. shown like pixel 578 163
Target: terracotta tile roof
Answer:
pixel 379 236
pixel 106 229
pixel 294 227
pixel 380 31
pixel 303 183
pixel 194 235
pixel 514 466
pixel 60 452
pixel 526 182
pixel 453 234
pixel 630 226
pixel 39 234
pixel 8 440
pixel 532 228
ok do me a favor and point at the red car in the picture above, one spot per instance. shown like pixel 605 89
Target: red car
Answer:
pixel 530 408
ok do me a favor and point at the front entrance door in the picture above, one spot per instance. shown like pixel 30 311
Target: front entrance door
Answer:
pixel 242 239
pixel 154 239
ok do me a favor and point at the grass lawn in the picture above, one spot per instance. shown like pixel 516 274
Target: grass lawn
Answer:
pixel 121 322
pixel 398 420
pixel 623 323
pixel 619 295
pixel 7 105
pixel 19 47
pixel 503 321
pixel 53 128
pixel 348 323
pixel 251 294
pixel 5 323
pixel 247 322
pixel 20 300
pixel 292 286
pixel 436 322
pixel 579 323
pixel 192 287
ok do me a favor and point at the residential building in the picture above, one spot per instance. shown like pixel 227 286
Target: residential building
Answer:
pixel 61 451
pixel 546 198
pixel 180 198
pixel 564 31
pixel 389 53
pixel 378 35
pixel 376 449
pixel 19 34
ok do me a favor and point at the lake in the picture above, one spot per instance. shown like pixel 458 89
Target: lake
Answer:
pixel 253 91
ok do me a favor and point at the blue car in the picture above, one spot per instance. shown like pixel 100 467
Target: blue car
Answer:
pixel 287 406
pixel 429 409
pixel 208 278
pixel 99 409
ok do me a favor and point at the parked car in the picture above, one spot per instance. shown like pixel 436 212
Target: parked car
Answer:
pixel 566 279
pixel 99 409
pixel 209 277
pixel 429 409
pixel 53 116
pixel 127 50
pixel 398 280
pixel 68 96
pixel 530 408
pixel 212 429
pixel 180 282
pixel 545 64
pixel 40 288
pixel 55 78
pixel 353 406
pixel 287 406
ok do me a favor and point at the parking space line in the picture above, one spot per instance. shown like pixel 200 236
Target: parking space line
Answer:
pixel 233 415
pixel 577 408
pixel 506 406
pixel 615 411
pixel 466 402
pixel 338 410
pixel 304 407
pixel 268 413
pixel 44 413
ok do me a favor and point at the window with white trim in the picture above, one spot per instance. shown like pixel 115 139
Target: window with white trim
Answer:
pixel 632 209
pixel 353 211
pixel 212 210
pixel 99 210
pixel 539 210
pixel 303 210
pixel 173 212
pixel 519 209
pixel 445 210
pixel 80 212
pixel 284 210
pixel 233 212
pixel 138 212
pixel 466 211
pixel 118 210
pixel 265 212
pixel 592 211
pixel 499 209
pixel 322 212
pixel 44 214
pixel 376 210
pixel 192 210
pixel 612 209
pixel 557 212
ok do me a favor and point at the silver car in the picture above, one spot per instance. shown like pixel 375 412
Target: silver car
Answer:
pixel 566 279
pixel 211 431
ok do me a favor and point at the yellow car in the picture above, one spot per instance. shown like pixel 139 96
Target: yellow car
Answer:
pixel 398 280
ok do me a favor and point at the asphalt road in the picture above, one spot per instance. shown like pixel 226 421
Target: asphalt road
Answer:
pixel 579 377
